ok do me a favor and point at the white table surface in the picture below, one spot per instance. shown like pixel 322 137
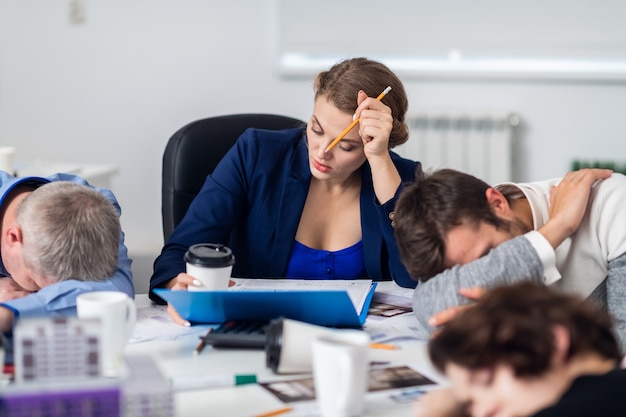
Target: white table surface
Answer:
pixel 177 359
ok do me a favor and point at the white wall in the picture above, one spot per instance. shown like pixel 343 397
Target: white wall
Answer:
pixel 115 88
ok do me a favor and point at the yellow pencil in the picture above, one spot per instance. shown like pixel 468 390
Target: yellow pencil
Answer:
pixel 354 122
pixel 382 346
pixel 275 412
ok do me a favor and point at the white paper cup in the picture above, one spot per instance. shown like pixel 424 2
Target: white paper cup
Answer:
pixel 340 371
pixel 117 314
pixel 7 155
pixel 211 264
pixel 211 279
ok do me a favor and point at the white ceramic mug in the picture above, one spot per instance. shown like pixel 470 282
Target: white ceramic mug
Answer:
pixel 340 372
pixel 117 314
pixel 7 155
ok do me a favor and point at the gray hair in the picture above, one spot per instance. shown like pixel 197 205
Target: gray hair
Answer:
pixel 69 231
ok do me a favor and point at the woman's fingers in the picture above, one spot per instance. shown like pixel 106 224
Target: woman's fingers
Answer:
pixel 176 317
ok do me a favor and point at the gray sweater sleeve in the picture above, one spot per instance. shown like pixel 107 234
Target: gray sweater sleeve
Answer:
pixel 512 261
pixel 616 296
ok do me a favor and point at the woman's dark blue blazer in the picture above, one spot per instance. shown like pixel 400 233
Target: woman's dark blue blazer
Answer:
pixel 253 202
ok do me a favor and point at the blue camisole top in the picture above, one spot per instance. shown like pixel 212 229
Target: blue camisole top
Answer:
pixel 309 263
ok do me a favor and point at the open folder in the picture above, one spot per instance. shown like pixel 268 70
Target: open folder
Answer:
pixel 326 303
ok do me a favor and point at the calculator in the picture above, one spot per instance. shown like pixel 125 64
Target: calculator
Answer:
pixel 238 334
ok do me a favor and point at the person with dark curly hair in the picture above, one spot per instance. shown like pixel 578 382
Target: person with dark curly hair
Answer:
pixel 523 350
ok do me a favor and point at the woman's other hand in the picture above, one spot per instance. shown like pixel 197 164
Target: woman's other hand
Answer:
pixel 182 282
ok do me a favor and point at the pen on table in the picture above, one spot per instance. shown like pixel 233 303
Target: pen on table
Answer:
pixel 202 343
pixel 194 382
pixel 354 122
pixel 275 412
pixel 383 346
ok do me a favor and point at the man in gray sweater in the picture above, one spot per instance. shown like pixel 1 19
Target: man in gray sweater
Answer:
pixel 456 232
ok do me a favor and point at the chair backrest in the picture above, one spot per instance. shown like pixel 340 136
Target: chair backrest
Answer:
pixel 194 151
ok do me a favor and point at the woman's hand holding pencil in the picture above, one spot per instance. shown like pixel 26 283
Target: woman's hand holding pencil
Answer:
pixel 354 123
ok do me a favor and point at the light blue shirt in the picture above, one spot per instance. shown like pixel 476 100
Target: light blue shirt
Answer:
pixel 59 299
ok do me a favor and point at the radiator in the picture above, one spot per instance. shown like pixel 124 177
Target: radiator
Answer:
pixel 477 142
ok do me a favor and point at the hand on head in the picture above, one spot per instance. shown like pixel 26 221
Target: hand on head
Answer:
pixel 375 124
pixel 568 203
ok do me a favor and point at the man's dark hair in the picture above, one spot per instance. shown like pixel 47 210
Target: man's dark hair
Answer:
pixel 429 208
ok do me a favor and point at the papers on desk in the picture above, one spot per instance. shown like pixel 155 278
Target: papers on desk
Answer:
pixel 342 303
pixel 390 389
pixel 154 324
pixel 380 378
pixel 391 320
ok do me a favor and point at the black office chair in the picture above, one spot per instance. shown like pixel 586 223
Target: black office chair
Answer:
pixel 194 151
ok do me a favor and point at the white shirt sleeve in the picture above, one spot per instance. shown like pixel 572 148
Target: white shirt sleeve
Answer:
pixel 547 255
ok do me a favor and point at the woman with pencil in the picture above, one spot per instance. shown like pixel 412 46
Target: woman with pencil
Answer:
pixel 314 202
